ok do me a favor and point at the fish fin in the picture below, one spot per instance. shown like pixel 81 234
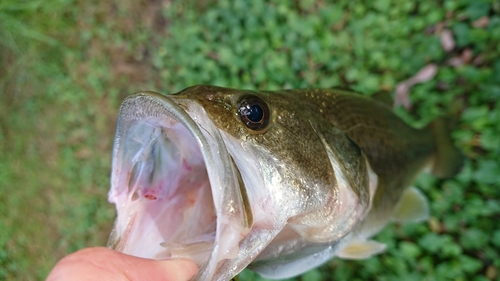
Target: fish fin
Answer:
pixel 361 249
pixel 384 98
pixel 448 160
pixel 412 207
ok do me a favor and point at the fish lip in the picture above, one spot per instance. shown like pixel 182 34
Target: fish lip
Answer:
pixel 219 166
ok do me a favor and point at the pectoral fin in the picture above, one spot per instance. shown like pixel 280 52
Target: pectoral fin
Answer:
pixel 412 207
pixel 361 249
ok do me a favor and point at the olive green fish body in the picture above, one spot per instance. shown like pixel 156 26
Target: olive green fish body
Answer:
pixel 397 153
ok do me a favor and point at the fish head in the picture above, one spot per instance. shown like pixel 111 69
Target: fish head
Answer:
pixel 225 177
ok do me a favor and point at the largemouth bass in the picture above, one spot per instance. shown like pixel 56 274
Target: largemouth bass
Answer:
pixel 279 181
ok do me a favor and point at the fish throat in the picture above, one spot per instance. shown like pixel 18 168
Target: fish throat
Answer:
pixel 163 187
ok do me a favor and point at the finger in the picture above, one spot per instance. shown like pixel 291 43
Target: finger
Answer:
pixel 105 264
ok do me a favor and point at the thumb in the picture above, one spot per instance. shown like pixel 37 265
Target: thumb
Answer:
pixel 101 263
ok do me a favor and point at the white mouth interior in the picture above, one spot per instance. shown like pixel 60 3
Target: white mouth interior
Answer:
pixel 175 186
pixel 166 195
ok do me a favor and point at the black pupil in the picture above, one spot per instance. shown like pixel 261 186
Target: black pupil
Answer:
pixel 255 113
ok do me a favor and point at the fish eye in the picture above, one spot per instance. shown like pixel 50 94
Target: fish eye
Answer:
pixel 254 113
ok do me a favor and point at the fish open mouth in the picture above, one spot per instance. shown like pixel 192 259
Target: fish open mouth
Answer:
pixel 175 186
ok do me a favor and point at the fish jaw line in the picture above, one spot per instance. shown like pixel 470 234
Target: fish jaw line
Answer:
pixel 173 184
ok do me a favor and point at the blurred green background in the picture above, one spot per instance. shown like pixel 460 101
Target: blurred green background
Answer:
pixel 65 66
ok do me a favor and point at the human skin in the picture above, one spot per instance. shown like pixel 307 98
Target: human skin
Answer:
pixel 101 263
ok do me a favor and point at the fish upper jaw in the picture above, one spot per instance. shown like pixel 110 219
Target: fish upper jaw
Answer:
pixel 174 184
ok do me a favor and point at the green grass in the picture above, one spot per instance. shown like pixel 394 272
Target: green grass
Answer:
pixel 66 65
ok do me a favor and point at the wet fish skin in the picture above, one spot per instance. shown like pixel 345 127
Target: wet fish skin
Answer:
pixel 397 153
pixel 291 136
pixel 331 166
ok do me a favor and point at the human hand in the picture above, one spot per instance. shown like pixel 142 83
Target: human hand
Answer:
pixel 101 263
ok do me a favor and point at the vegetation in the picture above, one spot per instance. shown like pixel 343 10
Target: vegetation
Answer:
pixel 67 64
